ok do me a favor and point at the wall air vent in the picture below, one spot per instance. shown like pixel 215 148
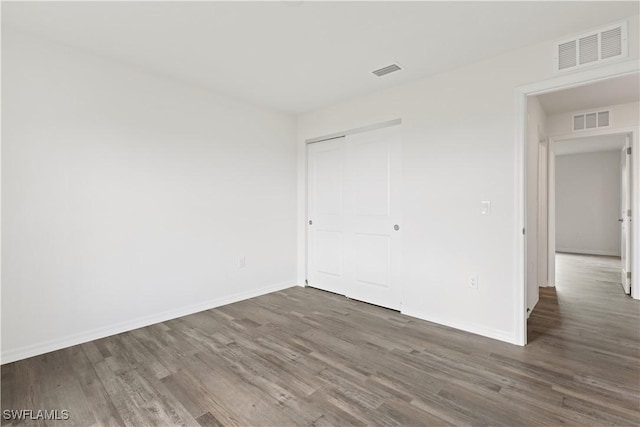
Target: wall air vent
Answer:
pixel 387 70
pixel 593 47
pixel 590 120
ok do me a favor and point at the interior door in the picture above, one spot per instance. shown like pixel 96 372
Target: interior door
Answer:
pixel 326 216
pixel 625 217
pixel 364 261
pixel 374 217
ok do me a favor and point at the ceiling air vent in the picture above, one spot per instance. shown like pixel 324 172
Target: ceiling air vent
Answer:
pixel 590 120
pixel 387 70
pixel 592 47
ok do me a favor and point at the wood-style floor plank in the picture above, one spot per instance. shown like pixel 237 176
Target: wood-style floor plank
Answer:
pixel 307 357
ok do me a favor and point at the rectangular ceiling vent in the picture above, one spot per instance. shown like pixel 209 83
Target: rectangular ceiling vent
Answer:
pixel 593 47
pixel 590 120
pixel 387 70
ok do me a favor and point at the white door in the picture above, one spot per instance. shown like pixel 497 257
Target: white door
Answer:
pixel 354 235
pixel 326 216
pixel 625 217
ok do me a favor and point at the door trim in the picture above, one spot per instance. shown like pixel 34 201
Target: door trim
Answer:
pixel 551 218
pixel 361 129
pixel 576 79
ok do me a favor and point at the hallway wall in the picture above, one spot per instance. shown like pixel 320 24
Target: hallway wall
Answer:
pixel 588 203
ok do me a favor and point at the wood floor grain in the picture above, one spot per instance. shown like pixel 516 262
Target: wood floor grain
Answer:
pixel 304 357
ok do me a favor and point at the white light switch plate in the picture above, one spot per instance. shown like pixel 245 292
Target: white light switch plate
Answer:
pixel 485 207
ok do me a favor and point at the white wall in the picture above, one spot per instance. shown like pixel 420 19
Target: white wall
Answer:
pixel 535 133
pixel 588 203
pixel 128 198
pixel 622 116
pixel 459 133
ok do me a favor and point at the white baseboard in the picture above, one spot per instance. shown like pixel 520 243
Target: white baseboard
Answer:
pixel 474 329
pixel 20 353
pixel 587 252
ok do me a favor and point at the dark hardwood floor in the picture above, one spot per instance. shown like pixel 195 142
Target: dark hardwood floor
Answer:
pixel 307 357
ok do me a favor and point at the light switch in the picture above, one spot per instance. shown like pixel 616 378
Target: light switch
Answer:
pixel 485 207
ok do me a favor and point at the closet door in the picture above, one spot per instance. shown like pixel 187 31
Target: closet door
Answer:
pixel 325 213
pixel 364 244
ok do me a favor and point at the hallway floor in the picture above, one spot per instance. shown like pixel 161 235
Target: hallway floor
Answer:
pixel 592 329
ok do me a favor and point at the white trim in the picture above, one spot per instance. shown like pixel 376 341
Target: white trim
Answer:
pixel 587 252
pixel 495 334
pixel 595 132
pixel 520 243
pixel 20 353
pixel 551 214
pixel 580 78
pixel 565 81
pixel 368 128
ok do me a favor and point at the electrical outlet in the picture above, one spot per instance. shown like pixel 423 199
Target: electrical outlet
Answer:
pixel 242 262
pixel 473 281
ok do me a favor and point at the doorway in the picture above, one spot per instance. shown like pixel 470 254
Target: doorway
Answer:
pixel 590 213
pixel 527 229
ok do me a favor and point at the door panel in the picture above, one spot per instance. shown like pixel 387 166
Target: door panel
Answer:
pixel 353 246
pixel 372 178
pixel 328 252
pixel 325 209
pixel 328 183
pixel 373 260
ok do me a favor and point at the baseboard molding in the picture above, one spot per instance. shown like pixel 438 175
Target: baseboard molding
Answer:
pixel 478 330
pixel 25 352
pixel 587 252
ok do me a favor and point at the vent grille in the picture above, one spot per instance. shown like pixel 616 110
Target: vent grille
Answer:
pixel 603 118
pixel 387 70
pixel 611 42
pixel 590 120
pixel 567 55
pixel 593 47
pixel 588 49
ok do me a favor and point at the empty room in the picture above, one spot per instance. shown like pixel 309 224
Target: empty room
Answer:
pixel 299 213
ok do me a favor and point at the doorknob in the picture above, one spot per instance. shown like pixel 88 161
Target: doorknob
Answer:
pixel 396 227
pixel 310 222
pixel 620 219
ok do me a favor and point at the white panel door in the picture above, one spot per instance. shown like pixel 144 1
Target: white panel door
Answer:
pixel 353 209
pixel 374 220
pixel 325 251
pixel 625 219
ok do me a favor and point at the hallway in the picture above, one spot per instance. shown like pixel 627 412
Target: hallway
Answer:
pixel 591 328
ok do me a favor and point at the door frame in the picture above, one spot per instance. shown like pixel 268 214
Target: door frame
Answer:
pixel 580 78
pixel 551 212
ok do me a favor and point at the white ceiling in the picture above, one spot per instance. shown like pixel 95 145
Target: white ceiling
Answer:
pixel 590 144
pixel 602 94
pixel 296 56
